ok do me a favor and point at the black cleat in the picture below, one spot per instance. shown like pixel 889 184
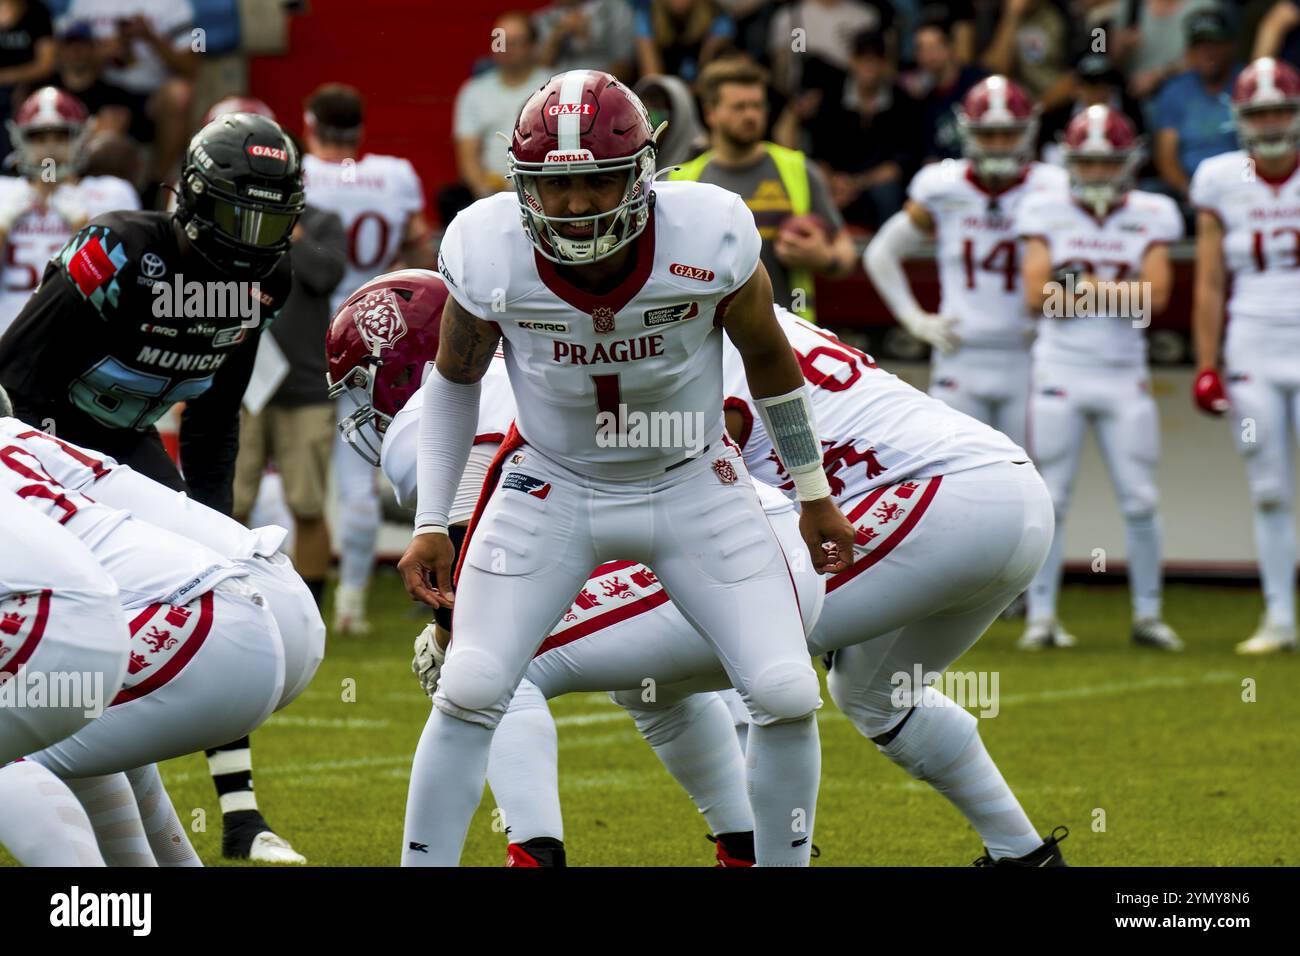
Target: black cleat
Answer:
pixel 1048 854
pixel 543 852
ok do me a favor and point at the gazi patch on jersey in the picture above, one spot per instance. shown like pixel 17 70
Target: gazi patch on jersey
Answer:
pixel 672 313
pixel 518 481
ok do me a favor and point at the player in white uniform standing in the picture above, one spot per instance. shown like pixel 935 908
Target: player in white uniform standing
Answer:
pixel 381 203
pixel 982 332
pixel 1096 267
pixel 1248 227
pixel 44 206
pixel 610 300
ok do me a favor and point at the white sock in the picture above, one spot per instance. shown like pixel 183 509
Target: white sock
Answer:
pixel 446 786
pixel 110 804
pixel 167 838
pixel 1040 601
pixel 42 823
pixel 359 520
pixel 1144 580
pixel 940 744
pixel 523 768
pixel 1275 543
pixel 784 762
pixel 695 739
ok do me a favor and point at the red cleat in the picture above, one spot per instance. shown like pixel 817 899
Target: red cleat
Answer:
pixel 518 856
pixel 734 849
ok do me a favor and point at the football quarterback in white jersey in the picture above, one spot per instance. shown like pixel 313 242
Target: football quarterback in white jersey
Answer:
pixel 1096 267
pixel 982 332
pixel 612 296
pixel 381 203
pixel 45 205
pixel 622 627
pixel 1248 229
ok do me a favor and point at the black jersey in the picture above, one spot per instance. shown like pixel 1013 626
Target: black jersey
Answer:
pixel 122 327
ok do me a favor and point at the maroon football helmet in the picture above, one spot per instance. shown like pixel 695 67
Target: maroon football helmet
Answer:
pixel 997 105
pixel 1266 92
pixel 377 345
pixel 49 110
pixel 236 104
pixel 581 122
pixel 1102 155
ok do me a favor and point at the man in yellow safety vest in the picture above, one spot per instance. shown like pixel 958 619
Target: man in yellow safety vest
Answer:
pixel 776 183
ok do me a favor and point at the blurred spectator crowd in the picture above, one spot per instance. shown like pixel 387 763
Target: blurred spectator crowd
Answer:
pixel 867 89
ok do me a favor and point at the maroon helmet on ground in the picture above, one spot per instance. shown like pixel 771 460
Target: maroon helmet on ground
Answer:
pixel 582 122
pixel 377 345
pixel 1102 154
pixel 237 104
pixel 1266 107
pixel 996 105
pixel 49 110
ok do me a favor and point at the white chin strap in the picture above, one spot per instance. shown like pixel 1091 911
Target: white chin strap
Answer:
pixel 998 167
pixel 1100 196
pixel 580 250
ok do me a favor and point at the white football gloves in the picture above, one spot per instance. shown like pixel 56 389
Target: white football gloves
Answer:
pixel 935 330
pixel 15 204
pixel 427 664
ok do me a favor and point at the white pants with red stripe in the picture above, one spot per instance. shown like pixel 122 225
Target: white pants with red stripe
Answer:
pixel 934 549
pixel 62 633
pixel 700 527
pixel 199 675
pixel 990 385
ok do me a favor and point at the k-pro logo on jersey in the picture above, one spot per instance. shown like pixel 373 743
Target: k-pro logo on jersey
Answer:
pixel 518 481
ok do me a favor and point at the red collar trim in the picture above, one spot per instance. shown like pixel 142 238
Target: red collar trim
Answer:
pixel 974 181
pixel 1276 181
pixel 1100 220
pixel 643 248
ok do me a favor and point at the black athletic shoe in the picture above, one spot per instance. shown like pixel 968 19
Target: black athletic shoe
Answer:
pixel 245 835
pixel 1049 854
pixel 543 852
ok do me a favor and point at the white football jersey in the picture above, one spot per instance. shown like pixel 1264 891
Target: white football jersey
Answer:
pixel 978 250
pixel 496 412
pixel 149 564
pixel 41 232
pixel 121 486
pixel 652 345
pixel 875 429
pixel 375 197
pixel 1111 249
pixel 1261 245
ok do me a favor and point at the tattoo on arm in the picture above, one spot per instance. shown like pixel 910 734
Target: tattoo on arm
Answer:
pixel 466 345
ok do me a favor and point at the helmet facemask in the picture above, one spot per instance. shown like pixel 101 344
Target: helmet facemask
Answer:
pixel 363 428
pixel 33 157
pixel 998 163
pixel 237 233
pixel 611 230
pixel 1104 190
pixel 1272 140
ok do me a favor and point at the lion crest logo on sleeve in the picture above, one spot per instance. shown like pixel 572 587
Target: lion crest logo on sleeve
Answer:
pixel 379 320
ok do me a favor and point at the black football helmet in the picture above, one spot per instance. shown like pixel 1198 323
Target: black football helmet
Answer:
pixel 241 193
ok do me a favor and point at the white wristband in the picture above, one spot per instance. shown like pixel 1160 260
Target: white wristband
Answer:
pixel 811 485
pixel 430 529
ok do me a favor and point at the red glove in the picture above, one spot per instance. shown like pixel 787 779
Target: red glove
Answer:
pixel 1208 393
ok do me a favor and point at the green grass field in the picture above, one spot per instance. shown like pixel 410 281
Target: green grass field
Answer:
pixel 1186 772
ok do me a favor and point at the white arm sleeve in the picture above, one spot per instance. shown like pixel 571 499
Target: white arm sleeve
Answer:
pixel 471 483
pixel 883 261
pixel 447 423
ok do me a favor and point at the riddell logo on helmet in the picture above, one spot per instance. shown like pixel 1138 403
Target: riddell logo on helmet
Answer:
pixel 570 109
pixel 274 152
pixel 691 272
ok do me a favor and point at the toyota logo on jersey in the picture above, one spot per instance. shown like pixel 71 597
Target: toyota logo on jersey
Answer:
pixel 379 320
